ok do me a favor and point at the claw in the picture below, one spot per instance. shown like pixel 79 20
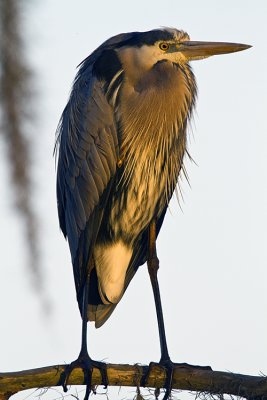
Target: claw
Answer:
pixel 86 364
pixel 169 367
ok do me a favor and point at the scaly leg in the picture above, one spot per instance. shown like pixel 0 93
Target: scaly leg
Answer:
pixel 153 266
pixel 84 361
pixel 165 361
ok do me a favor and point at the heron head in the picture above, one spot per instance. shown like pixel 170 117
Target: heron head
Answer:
pixel 139 52
pixel 170 45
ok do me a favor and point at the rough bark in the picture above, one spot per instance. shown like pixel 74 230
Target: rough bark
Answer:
pixel 193 379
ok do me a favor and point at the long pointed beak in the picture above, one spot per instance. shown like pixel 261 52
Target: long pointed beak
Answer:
pixel 196 50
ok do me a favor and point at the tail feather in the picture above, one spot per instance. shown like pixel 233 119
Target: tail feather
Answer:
pixel 101 312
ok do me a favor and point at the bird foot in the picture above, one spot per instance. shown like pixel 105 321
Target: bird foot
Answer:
pixel 87 365
pixel 169 367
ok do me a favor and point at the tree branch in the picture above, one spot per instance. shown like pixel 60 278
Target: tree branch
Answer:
pixel 193 379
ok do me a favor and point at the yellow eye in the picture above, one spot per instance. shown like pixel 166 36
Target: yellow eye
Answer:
pixel 164 46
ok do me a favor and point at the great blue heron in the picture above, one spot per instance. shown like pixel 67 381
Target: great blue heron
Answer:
pixel 121 144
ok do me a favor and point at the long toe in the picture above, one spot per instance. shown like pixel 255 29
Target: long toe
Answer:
pixel 87 365
pixel 103 370
pixel 169 367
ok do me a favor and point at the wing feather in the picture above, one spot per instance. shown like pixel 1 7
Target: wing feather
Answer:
pixel 87 148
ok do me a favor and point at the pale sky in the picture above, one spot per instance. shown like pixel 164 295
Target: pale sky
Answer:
pixel 212 250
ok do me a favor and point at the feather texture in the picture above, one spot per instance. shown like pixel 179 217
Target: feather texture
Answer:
pixel 121 143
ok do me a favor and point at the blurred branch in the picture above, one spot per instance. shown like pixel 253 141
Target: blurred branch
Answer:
pixel 16 112
pixel 192 379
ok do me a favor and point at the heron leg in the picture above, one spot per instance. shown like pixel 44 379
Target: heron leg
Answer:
pixel 165 361
pixel 153 266
pixel 84 361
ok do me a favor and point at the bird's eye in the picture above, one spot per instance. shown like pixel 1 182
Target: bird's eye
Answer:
pixel 164 46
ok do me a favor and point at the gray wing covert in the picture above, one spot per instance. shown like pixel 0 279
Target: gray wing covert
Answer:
pixel 87 157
